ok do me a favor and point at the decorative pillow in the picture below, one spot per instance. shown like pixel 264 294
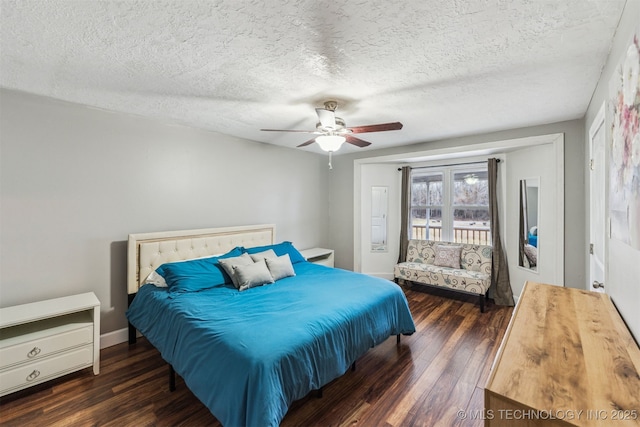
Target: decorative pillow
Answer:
pixel 228 264
pixel 532 255
pixel 280 267
pixel 263 255
pixel 252 275
pixel 448 256
pixel 155 279
pixel 280 249
pixel 195 275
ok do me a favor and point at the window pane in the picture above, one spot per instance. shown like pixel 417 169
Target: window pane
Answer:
pixel 426 224
pixel 471 189
pixel 426 189
pixel 435 192
pixel 435 224
pixel 418 193
pixel 472 226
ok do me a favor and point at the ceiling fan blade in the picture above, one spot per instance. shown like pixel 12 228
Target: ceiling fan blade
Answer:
pixel 327 118
pixel 289 130
pixel 376 128
pixel 356 141
pixel 309 142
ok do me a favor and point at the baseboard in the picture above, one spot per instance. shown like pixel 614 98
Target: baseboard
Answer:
pixel 388 276
pixel 115 337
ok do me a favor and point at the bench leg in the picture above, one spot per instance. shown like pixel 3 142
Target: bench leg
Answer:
pixel 481 299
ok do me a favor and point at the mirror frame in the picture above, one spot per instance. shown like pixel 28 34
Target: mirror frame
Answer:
pixel 377 247
pixel 525 227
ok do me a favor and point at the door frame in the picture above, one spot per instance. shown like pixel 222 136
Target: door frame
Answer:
pixel 597 124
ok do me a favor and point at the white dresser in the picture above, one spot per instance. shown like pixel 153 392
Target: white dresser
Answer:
pixel 47 339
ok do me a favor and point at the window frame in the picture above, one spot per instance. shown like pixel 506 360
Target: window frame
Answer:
pixel 448 196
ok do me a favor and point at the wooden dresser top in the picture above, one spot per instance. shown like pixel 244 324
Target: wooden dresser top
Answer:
pixel 568 349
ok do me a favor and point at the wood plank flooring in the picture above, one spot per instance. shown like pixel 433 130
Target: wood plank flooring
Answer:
pixel 425 381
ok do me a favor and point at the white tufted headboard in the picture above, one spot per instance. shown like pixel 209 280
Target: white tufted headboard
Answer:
pixel 148 251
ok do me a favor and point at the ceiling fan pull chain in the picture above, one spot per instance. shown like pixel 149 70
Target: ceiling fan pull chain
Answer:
pixel 330 165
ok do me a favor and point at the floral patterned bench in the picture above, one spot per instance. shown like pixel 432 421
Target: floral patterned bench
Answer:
pixel 455 266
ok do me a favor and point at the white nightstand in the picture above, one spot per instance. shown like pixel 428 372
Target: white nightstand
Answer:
pixel 319 256
pixel 47 339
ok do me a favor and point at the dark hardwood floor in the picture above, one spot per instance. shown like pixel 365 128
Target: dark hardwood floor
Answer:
pixel 425 381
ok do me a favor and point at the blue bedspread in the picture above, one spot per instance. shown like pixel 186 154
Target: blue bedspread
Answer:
pixel 248 355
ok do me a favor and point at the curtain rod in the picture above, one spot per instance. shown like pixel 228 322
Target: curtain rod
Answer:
pixel 453 164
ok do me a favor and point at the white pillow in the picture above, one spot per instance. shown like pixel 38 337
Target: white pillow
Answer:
pixel 229 263
pixel 252 275
pixel 280 267
pixel 155 279
pixel 269 253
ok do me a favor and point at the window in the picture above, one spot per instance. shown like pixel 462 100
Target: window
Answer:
pixel 450 204
pixel 426 206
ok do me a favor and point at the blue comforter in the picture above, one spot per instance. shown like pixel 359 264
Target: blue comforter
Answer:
pixel 248 355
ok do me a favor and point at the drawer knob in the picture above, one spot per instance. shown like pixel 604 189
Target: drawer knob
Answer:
pixel 34 352
pixel 33 375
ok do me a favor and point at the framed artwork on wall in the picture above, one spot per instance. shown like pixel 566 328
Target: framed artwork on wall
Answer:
pixel 624 144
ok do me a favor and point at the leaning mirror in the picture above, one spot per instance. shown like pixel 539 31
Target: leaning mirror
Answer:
pixel 379 203
pixel 529 214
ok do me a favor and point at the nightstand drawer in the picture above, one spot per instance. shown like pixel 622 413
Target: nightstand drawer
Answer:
pixel 59 340
pixel 45 369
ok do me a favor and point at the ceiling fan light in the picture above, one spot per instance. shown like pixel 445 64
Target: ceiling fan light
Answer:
pixel 471 179
pixel 330 142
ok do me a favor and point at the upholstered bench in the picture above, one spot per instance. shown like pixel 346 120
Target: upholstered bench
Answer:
pixel 455 266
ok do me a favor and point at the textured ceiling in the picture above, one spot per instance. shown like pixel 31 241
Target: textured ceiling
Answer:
pixel 442 68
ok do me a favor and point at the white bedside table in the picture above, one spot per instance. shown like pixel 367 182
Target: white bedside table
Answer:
pixel 319 256
pixel 47 339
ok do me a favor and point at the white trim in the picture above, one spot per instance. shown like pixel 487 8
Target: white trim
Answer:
pixel 597 123
pixel 357 212
pixel 110 339
pixel 387 276
pixel 558 144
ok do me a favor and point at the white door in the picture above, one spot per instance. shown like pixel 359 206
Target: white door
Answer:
pixel 597 182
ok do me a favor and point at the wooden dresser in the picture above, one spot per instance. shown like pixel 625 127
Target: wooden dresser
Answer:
pixel 567 358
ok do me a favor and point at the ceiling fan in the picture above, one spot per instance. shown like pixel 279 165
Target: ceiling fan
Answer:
pixel 332 131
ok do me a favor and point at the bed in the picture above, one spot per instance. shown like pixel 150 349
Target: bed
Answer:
pixel 247 355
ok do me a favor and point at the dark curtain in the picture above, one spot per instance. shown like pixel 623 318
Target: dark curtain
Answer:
pixel 404 213
pixel 503 295
pixel 523 225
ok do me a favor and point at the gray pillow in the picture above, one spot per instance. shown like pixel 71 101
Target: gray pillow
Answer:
pixel 229 263
pixel 280 267
pixel 269 253
pixel 252 275
pixel 532 254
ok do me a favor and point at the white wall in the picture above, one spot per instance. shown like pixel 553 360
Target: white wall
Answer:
pixel 535 162
pixel 622 271
pixel 379 263
pixel 75 181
